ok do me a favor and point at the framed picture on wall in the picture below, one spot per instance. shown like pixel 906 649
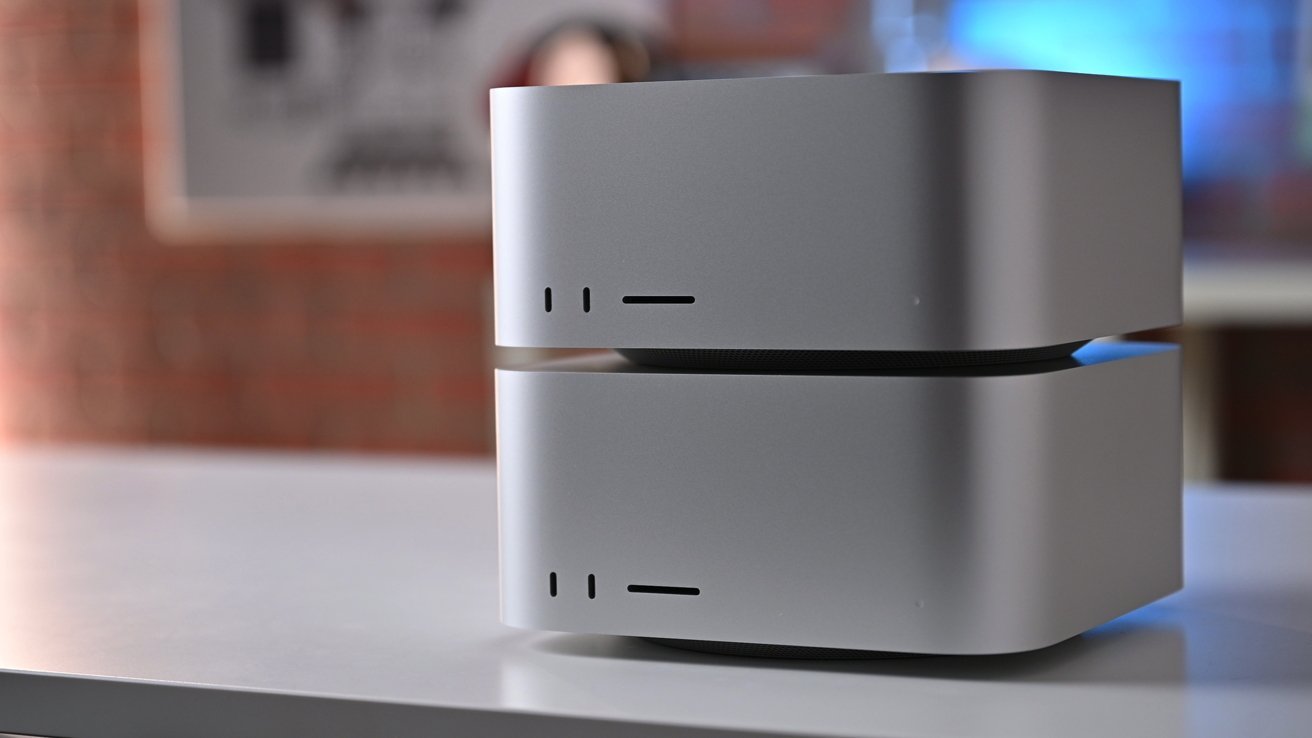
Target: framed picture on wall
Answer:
pixel 325 116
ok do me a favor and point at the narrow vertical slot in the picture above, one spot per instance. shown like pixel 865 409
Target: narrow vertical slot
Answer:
pixel 552 580
pixel 592 586
pixel 587 300
pixel 547 298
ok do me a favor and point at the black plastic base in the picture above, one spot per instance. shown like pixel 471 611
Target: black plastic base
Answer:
pixel 769 651
pixel 786 360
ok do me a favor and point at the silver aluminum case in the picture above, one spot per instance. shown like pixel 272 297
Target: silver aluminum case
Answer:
pixel 946 514
pixel 947 211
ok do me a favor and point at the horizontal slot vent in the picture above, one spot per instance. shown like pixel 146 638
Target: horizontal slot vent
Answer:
pixel 661 590
pixel 659 299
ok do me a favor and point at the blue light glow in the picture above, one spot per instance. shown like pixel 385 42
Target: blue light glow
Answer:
pixel 1234 61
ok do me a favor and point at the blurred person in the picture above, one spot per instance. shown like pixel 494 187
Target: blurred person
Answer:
pixel 587 52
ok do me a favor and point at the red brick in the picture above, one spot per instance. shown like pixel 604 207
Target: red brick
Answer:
pixel 108 335
pixel 65 16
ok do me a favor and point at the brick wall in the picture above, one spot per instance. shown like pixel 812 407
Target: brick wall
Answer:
pixel 108 335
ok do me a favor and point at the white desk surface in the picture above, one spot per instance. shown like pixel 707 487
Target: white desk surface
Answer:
pixel 207 594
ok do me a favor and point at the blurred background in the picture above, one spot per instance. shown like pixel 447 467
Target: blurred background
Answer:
pixel 266 223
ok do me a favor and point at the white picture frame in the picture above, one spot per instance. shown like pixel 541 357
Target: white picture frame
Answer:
pixel 338 117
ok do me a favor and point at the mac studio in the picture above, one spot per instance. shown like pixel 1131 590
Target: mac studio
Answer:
pixel 859 397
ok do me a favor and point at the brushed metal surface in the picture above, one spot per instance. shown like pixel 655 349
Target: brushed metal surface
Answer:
pixel 936 212
pixel 950 514
pixel 216 594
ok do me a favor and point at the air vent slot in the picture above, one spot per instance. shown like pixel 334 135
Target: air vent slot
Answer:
pixel 546 296
pixel 592 586
pixel 657 589
pixel 552 582
pixel 659 299
pixel 587 300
